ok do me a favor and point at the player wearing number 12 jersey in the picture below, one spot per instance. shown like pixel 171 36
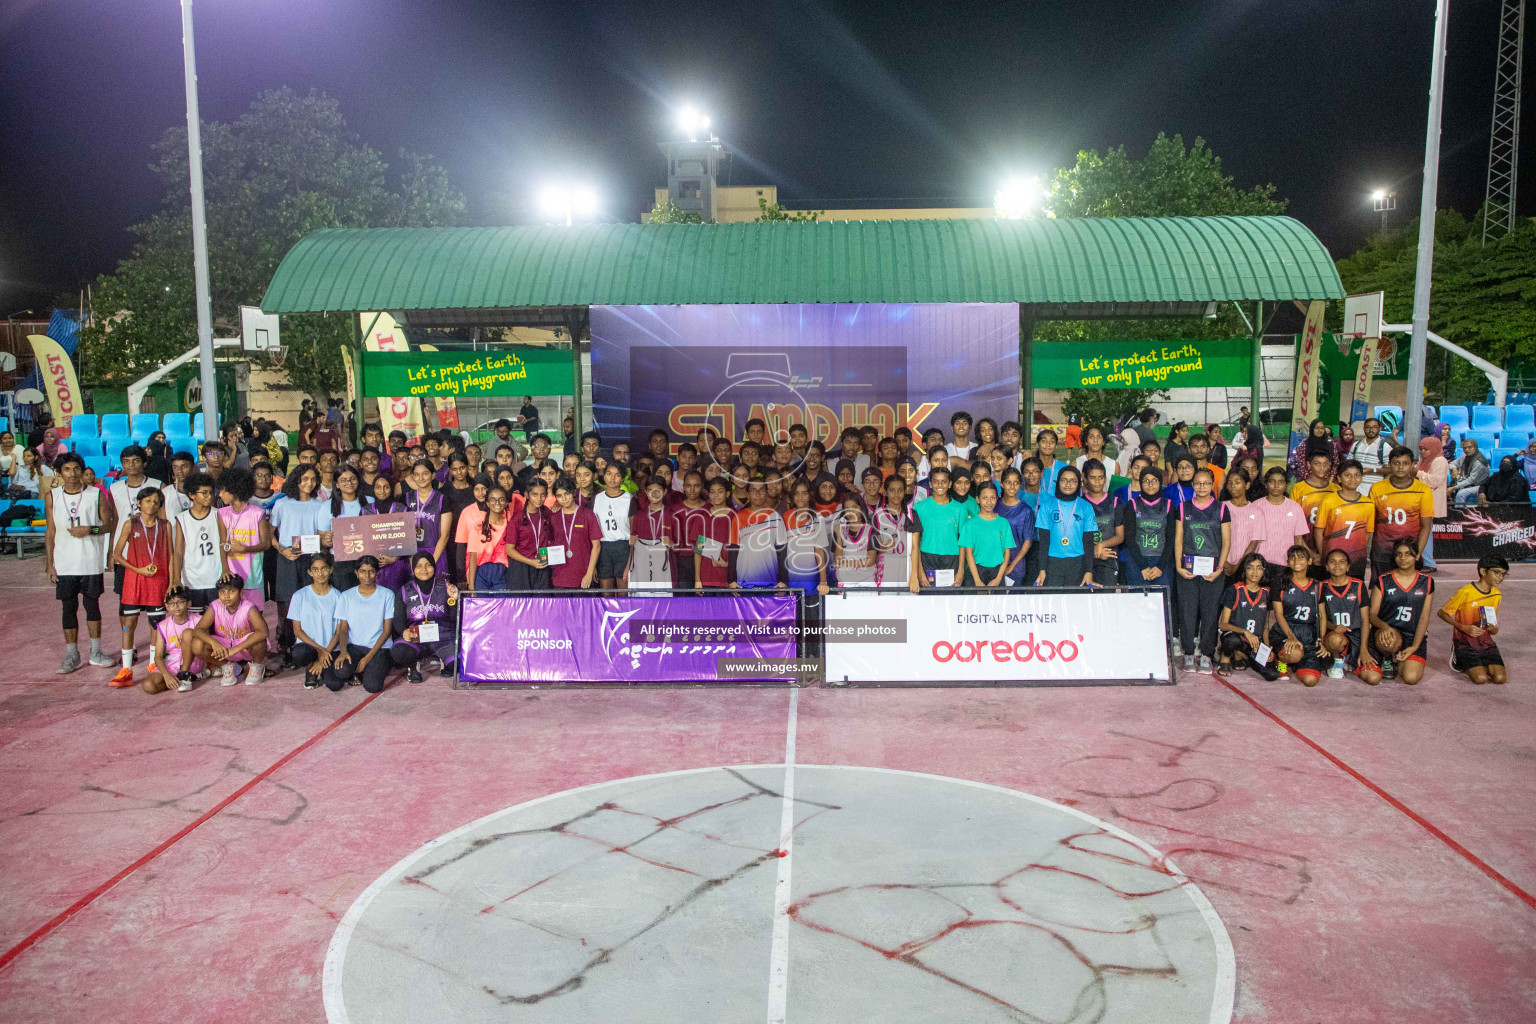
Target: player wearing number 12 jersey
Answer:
pixel 1346 519
pixel 1405 508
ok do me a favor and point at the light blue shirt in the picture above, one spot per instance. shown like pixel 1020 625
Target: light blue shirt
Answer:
pixel 316 613
pixel 291 519
pixel 365 616
pixel 1061 525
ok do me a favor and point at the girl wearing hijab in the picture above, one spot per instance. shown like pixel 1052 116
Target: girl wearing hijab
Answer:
pixel 1345 444
pixel 1148 543
pixel 1318 441
pixel 1062 521
pixel 1182 487
pixel 51 448
pixel 1433 471
pixel 424 619
pixel 1528 464
pixel 1507 486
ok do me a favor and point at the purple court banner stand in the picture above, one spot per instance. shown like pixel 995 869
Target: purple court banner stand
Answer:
pixel 825 365
pixel 510 640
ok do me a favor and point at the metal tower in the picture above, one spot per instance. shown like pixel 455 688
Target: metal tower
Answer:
pixel 1504 145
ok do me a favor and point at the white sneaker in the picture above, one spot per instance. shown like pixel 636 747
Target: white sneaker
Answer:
pixel 1189 663
pixel 257 674
pixel 1336 671
pixel 70 663
pixel 1178 648
pixel 101 659
pixel 1205 663
pixel 184 684
pixel 227 676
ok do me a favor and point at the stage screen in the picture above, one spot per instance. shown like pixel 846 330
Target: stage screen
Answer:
pixel 828 366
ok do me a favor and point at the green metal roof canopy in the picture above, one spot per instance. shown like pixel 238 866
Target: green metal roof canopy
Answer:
pixel 1085 266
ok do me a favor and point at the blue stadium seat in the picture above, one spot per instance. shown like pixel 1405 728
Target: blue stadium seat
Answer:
pixel 1394 410
pixel 1455 416
pixel 144 424
pixel 1487 417
pixel 112 445
pixel 84 446
pixel 101 464
pixel 84 425
pixel 177 424
pixel 181 443
pixel 114 423
pixel 197 425
pixel 1520 420
pixel 5 423
pixel 1486 440
pixel 1497 455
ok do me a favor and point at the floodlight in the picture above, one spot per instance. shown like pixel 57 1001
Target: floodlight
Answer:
pixel 1017 198
pixel 1379 194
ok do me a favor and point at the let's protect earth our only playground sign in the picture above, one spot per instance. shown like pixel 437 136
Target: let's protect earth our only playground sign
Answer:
pixel 1143 364
pixel 467 374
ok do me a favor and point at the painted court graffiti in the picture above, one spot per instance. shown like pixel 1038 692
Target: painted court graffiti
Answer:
pixel 914 896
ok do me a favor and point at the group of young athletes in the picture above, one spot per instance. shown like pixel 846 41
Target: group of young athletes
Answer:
pixel 1263 572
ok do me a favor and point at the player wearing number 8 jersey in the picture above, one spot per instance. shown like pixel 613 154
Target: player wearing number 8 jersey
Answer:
pixel 1405 510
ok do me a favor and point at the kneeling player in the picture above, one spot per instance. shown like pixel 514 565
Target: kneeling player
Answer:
pixel 1344 603
pixel 177 664
pixel 1242 620
pixel 1399 603
pixel 1473 614
pixel 1298 613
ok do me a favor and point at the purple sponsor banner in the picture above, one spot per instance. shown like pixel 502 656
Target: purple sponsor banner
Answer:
pixel 587 639
pixel 827 366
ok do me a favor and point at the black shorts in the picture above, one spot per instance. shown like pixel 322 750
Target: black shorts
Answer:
pixel 154 611
pixel 1422 654
pixel 118 575
pixel 933 563
pixel 202 599
pixel 1106 572
pixel 1469 657
pixel 69 588
pixel 986 574
pixel 1309 659
pixel 612 559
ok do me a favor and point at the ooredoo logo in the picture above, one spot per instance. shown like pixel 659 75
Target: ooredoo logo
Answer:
pixel 1024 649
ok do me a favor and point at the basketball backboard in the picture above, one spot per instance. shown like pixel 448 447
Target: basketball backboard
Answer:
pixel 258 330
pixel 1362 314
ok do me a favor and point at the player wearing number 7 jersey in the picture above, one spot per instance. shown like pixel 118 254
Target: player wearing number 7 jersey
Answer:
pixel 1405 510
pixel 1346 520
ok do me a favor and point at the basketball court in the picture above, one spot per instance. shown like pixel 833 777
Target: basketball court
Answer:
pixel 1202 852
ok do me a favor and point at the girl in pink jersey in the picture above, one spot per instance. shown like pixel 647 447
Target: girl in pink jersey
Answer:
pixel 231 629
pixel 176 664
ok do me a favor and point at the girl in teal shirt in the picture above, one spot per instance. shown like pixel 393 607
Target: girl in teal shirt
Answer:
pixel 986 541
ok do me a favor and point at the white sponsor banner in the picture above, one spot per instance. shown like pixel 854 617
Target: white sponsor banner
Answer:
pixel 1018 636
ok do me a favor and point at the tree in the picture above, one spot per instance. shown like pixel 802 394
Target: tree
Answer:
pixel 1170 181
pixel 777 212
pixel 1103 407
pixel 287 167
pixel 670 213
pixel 1483 298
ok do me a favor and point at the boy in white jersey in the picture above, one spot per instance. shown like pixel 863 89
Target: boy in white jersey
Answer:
pixel 177 500
pixel 79 522
pixel 198 559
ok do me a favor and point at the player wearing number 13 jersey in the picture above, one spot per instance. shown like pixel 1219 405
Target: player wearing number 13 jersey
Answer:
pixel 1405 508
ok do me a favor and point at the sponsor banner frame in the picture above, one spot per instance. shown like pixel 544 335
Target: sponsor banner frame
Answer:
pixel 957 638
pixel 574 638
pixel 1468 532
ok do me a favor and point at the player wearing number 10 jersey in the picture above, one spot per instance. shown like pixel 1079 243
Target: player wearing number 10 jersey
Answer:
pixel 1405 508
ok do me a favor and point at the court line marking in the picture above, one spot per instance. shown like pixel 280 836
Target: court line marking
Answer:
pixel 1428 826
pixel 1224 986
pixel 105 887
pixel 778 961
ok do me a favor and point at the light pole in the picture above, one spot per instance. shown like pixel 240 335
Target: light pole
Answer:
pixel 1413 406
pixel 1383 202
pixel 199 233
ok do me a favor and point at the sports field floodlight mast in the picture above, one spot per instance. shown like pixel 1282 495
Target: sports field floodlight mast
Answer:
pixel 565 201
pixel 1383 201
pixel 1017 197
pixel 692 122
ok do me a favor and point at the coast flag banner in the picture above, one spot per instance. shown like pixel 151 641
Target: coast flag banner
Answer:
pixel 1360 407
pixel 382 334
pixel 350 370
pixel 59 379
pixel 1308 354
pixel 447 408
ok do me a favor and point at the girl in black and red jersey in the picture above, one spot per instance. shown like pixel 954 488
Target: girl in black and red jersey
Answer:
pixel 1346 605
pixel 1242 620
pixel 1298 617
pixel 1400 603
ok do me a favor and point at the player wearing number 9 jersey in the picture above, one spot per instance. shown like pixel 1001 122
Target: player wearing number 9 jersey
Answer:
pixel 1405 508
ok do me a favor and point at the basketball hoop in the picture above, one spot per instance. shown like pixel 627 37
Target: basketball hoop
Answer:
pixel 276 356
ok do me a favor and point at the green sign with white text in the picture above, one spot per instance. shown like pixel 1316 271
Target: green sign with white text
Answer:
pixel 488 372
pixel 1143 364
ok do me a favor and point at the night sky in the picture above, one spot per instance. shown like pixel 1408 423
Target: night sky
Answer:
pixel 831 101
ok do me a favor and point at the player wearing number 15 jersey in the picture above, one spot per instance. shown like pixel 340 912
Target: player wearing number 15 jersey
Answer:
pixel 1400 601
pixel 1405 508
pixel 1346 519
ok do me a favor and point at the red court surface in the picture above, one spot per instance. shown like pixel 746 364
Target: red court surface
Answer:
pixel 187 857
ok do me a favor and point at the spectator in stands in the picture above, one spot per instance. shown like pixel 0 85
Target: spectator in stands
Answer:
pixel 1529 464
pixel 1448 442
pixel 51 447
pixel 1372 452
pixel 10 457
pixel 39 431
pixel 1145 421
pixel 1468 473
pixel 31 478
pixel 1432 473
pixel 1178 443
pixel 1507 486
